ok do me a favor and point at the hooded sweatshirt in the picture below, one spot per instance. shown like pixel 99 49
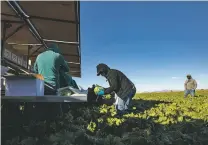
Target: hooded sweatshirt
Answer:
pixel 48 65
pixel 63 78
pixel 190 84
pixel 66 80
pixel 118 82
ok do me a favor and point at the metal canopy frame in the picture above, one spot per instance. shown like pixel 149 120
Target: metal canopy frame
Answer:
pixel 22 18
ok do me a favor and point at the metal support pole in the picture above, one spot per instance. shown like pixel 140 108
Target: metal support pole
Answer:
pixel 79 39
pixel 65 42
pixel 77 20
pixel 16 7
pixel 5 27
pixel 35 51
pixel 28 56
pixel 2 40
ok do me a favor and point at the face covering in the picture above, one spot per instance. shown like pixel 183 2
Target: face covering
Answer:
pixel 102 74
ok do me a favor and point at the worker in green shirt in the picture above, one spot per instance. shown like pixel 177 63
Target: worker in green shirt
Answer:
pixel 62 79
pixel 49 64
pixel 66 80
pixel 74 84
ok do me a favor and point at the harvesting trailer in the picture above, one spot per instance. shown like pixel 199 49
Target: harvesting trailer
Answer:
pixel 28 27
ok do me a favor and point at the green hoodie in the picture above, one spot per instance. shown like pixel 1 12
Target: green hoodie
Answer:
pixel 49 63
pixel 66 80
pixel 63 79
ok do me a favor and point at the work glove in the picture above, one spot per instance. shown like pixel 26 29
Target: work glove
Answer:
pixel 100 93
pixel 99 90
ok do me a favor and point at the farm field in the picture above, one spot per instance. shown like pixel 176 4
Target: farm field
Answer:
pixel 155 119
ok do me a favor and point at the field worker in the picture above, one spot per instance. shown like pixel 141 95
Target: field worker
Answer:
pixel 63 79
pixel 120 84
pixel 74 84
pixel 66 80
pixel 190 86
pixel 70 81
pixel 48 64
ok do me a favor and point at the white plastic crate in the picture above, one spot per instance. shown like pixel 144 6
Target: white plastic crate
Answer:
pixel 24 85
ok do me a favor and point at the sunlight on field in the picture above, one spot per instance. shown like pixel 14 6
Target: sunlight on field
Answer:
pixel 161 108
pixel 175 108
pixel 155 119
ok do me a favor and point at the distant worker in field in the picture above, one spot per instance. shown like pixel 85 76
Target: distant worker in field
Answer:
pixel 190 86
pixel 49 63
pixel 120 84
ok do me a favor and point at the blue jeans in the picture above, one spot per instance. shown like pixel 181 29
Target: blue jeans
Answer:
pixel 191 92
pixel 122 105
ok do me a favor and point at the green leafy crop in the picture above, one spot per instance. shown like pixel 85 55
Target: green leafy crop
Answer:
pixel 154 119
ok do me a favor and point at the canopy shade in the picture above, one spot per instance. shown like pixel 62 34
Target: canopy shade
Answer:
pixel 53 22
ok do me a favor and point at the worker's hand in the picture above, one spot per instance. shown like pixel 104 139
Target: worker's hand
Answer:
pixel 100 93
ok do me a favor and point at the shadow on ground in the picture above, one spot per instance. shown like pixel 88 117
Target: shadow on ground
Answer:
pixel 142 105
pixel 66 124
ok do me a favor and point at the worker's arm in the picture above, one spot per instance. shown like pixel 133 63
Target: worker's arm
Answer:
pixel 195 84
pixel 63 64
pixel 35 68
pixel 113 82
pixel 185 85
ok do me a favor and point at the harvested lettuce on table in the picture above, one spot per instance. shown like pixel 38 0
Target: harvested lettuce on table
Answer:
pixel 65 92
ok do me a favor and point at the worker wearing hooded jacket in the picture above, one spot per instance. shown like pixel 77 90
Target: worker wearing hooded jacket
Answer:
pixel 49 64
pixel 120 84
pixel 62 79
pixel 66 80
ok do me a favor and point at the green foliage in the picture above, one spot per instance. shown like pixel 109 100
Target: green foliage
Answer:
pixel 155 119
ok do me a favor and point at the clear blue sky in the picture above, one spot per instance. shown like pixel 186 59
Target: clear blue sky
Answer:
pixel 154 43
